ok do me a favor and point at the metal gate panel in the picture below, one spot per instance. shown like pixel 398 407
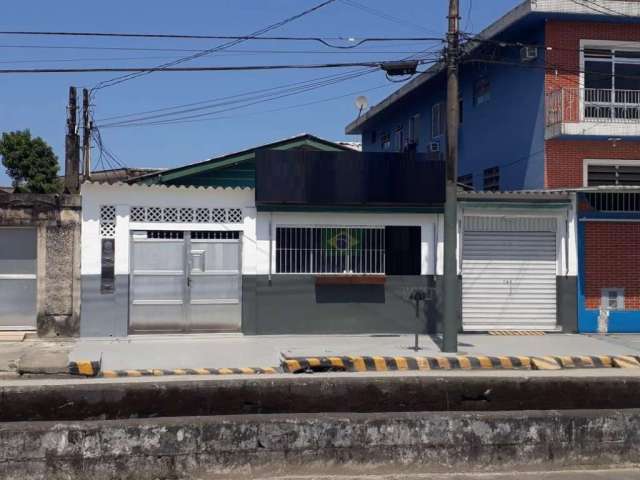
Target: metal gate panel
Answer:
pixel 215 285
pixel 18 278
pixel 157 289
pixel 509 279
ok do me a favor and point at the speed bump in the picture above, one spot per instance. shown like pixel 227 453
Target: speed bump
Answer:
pixel 399 363
pixel 157 372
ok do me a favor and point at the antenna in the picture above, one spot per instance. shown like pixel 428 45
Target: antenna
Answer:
pixel 361 104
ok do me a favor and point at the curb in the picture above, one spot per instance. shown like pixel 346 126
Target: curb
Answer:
pixel 157 372
pixel 383 364
pixel 85 368
pixel 565 362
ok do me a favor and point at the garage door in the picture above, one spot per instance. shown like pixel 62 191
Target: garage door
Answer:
pixel 18 278
pixel 185 282
pixel 509 274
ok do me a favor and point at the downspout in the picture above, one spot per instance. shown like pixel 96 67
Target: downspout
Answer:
pixel 270 244
pixel 566 244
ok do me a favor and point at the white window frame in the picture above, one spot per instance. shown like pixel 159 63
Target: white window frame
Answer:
pixel 592 161
pixel 610 44
pixel 604 299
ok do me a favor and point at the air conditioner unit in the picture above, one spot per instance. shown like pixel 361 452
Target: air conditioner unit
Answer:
pixel 434 147
pixel 528 54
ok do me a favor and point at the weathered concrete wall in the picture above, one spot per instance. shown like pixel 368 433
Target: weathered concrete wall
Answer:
pixel 57 220
pixel 195 447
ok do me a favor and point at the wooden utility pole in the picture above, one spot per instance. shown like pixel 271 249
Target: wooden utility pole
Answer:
pixel 86 136
pixel 451 285
pixel 72 146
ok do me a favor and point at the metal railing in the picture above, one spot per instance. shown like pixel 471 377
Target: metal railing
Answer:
pixel 327 249
pixel 572 105
pixel 613 201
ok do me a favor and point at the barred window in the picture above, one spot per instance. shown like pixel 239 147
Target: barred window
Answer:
pixel 350 250
pixel 491 180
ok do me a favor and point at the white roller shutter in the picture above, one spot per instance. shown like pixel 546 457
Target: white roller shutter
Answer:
pixel 509 274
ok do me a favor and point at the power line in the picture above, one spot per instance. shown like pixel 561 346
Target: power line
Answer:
pixel 123 78
pixel 353 41
pixel 384 15
pixel 590 4
pixel 225 68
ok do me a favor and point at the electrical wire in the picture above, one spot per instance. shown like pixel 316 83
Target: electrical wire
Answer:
pixel 384 15
pixel 123 78
pixel 590 4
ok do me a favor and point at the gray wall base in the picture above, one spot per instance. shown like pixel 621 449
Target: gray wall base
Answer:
pixel 104 315
pixel 567 302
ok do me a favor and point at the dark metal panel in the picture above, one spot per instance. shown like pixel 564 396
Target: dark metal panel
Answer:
pixel 348 179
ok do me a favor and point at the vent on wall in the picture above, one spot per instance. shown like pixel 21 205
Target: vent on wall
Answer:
pixel 186 215
pixel 107 221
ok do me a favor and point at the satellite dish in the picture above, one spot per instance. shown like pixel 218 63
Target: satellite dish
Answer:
pixel 361 103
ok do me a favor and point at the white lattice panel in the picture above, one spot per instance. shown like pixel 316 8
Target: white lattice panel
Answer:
pixel 234 215
pixel 138 214
pixel 186 214
pixel 170 214
pixel 203 215
pixel 219 215
pixel 108 213
pixel 154 214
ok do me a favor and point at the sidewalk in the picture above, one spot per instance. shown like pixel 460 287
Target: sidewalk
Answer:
pixel 237 351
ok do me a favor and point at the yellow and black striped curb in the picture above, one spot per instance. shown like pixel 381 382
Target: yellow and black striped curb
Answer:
pixel 466 362
pixel 84 368
pixel 383 364
pixel 158 372
pixel 553 362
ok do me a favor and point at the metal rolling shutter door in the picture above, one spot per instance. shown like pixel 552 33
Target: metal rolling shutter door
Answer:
pixel 509 277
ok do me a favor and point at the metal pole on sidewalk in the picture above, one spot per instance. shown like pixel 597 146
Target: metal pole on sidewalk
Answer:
pixel 451 286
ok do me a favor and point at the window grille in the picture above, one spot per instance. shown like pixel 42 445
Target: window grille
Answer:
pixel 613 174
pixel 217 235
pixel 107 221
pixel 165 235
pixel 612 299
pixel 347 250
pixel 235 215
pixel 614 201
pixel 491 181
pixel 438 119
pixel 154 214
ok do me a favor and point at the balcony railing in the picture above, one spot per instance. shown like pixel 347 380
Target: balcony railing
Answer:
pixel 593 105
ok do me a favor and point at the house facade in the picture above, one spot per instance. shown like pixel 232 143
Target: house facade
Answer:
pixel 297 236
pixel 550 99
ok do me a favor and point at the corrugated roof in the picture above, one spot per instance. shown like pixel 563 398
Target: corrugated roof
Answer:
pixel 159 186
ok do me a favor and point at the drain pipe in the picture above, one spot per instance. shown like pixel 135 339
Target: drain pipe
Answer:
pixel 270 244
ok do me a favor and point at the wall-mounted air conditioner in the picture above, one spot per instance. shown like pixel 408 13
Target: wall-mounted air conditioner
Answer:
pixel 528 54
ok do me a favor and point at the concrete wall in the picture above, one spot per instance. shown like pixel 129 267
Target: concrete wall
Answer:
pixel 294 304
pixel 57 221
pixel 246 445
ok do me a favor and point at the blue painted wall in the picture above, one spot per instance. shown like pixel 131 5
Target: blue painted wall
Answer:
pixel 507 130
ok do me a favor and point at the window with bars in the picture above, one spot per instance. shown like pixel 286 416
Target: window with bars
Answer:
pixel 491 179
pixel 613 174
pixel 338 250
pixel 438 120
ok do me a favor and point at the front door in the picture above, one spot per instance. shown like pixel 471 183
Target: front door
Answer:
pixel 185 282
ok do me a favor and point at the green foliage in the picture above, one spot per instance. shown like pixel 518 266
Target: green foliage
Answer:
pixel 30 162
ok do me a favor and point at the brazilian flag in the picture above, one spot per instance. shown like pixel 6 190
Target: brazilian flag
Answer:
pixel 342 240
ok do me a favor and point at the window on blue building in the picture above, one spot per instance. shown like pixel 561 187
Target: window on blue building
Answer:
pixel 481 91
pixel 466 181
pixel 385 142
pixel 398 139
pixel 491 179
pixel 438 119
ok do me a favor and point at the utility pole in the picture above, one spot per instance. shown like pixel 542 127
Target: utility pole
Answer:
pixel 451 285
pixel 86 136
pixel 72 146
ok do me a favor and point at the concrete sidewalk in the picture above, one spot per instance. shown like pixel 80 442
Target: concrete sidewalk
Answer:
pixel 236 351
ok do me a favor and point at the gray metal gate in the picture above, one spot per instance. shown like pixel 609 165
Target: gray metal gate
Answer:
pixel 185 282
pixel 18 280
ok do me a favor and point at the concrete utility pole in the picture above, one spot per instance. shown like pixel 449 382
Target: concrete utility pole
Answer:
pixel 72 146
pixel 451 286
pixel 86 136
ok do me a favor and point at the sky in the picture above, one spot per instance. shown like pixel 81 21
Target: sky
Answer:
pixel 231 120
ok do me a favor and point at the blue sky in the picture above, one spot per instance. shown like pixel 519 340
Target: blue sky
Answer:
pixel 38 102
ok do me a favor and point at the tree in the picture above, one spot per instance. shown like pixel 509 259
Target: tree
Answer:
pixel 30 162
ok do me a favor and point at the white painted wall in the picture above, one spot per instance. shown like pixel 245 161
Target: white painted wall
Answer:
pixel 126 196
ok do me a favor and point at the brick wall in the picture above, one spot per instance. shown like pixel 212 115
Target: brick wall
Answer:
pixel 564 159
pixel 564 40
pixel 612 260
